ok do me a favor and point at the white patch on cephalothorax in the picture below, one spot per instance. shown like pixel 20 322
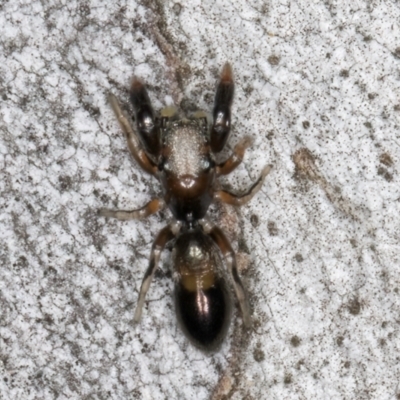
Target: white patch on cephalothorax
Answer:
pixel 185 143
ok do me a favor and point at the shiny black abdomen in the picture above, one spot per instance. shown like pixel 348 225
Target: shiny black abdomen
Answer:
pixel 204 315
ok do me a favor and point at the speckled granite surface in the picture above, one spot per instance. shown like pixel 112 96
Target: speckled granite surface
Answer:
pixel 318 89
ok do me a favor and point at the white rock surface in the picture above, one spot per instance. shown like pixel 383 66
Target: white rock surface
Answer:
pixel 318 89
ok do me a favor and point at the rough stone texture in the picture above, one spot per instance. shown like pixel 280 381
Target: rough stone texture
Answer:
pixel 318 89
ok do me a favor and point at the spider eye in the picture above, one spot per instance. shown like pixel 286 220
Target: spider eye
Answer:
pixel 167 166
pixel 206 164
pixel 164 165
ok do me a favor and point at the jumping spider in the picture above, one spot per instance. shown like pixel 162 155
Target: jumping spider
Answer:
pixel 180 153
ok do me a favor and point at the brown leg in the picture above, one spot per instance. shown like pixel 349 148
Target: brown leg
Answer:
pixel 164 236
pixel 222 110
pixel 150 208
pixel 236 158
pixel 133 142
pixel 235 200
pixel 222 242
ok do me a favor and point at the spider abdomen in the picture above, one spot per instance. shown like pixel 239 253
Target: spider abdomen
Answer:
pixel 204 315
pixel 202 300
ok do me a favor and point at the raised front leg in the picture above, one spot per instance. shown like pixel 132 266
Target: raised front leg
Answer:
pixel 222 110
pixel 236 158
pixel 164 236
pixel 133 142
pixel 218 236
pixel 124 215
pixel 236 200
pixel 147 125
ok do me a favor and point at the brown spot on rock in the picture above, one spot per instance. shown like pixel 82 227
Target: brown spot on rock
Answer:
pixel 295 341
pixel 386 159
pixel 354 306
pixel 274 60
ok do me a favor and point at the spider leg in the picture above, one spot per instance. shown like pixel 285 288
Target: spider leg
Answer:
pixel 236 158
pixel 146 123
pixel 163 237
pixel 236 200
pixel 222 110
pixel 125 215
pixel 134 145
pixel 218 236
